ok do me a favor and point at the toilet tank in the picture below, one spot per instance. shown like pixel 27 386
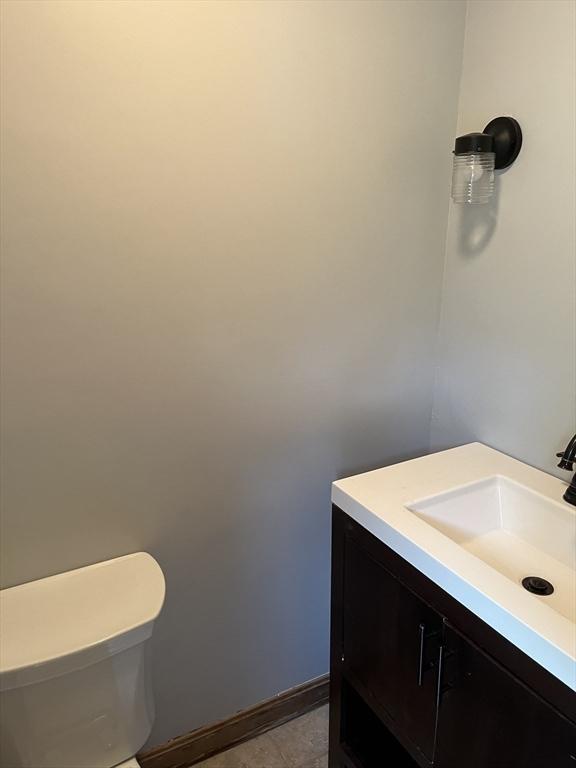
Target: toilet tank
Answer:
pixel 74 678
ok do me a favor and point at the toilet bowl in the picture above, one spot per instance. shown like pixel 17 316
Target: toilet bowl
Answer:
pixel 74 678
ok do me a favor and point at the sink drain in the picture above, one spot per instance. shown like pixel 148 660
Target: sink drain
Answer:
pixel 537 585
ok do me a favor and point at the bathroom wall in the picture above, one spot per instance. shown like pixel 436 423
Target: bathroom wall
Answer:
pixel 507 367
pixel 223 237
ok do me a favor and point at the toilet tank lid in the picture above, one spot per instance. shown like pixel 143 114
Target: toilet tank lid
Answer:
pixel 70 613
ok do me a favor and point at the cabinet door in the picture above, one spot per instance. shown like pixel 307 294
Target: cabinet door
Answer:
pixel 489 719
pixel 391 641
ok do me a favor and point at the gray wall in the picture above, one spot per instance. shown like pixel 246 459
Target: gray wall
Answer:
pixel 223 242
pixel 507 367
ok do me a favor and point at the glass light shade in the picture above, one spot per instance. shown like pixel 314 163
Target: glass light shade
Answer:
pixel 473 177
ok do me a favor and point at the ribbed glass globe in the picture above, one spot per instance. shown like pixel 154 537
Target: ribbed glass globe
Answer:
pixel 473 177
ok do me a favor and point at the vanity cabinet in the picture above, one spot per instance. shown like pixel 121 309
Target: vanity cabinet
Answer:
pixel 390 643
pixel 418 681
pixel 482 705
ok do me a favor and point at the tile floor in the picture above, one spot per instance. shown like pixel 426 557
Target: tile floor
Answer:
pixel 300 743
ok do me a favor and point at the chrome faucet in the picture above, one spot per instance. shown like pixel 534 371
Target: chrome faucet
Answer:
pixel 567 460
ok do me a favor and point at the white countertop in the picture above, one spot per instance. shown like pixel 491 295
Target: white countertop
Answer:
pixel 377 500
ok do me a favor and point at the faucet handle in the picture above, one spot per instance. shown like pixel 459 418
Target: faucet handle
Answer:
pixel 568 456
pixel 565 463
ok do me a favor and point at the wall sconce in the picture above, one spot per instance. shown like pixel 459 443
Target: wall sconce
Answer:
pixel 477 155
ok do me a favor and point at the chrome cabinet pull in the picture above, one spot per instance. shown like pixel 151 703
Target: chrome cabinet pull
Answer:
pixel 444 654
pixel 423 637
pixel 439 685
pixel 421 630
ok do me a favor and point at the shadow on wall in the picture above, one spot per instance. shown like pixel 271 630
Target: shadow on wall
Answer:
pixel 478 223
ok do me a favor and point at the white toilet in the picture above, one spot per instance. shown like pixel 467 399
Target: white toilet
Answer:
pixel 74 685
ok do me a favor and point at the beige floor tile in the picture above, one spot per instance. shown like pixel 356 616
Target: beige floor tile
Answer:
pixel 261 752
pixel 300 743
pixel 318 762
pixel 304 739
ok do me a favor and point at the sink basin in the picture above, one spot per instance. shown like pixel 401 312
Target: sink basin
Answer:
pixel 513 529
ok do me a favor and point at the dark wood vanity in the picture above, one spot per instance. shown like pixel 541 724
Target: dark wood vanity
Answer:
pixel 417 680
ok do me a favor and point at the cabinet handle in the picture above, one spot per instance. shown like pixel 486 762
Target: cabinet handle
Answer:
pixel 422 667
pixel 440 669
pixel 421 630
pixel 443 655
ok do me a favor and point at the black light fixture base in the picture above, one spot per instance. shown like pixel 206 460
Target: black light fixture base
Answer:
pixel 507 136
